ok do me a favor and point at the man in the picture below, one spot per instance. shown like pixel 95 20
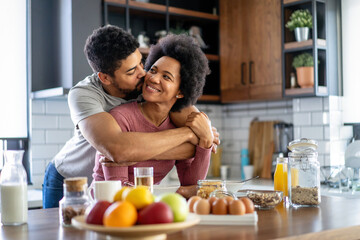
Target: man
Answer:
pixel 114 56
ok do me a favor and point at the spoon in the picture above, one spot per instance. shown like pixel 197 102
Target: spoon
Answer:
pixel 249 179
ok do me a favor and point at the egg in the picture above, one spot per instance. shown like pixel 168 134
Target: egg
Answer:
pixel 228 199
pixel 237 207
pixel 249 205
pixel 192 201
pixel 211 200
pixel 220 207
pixel 202 207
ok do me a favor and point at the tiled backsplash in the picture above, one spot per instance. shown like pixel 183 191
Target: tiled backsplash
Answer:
pixel 52 127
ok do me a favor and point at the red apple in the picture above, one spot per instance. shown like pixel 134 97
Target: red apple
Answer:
pixel 96 213
pixel 155 213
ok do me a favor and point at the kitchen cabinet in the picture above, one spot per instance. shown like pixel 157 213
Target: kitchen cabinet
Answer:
pixel 250 50
pixel 151 17
pixel 322 45
pixel 59 29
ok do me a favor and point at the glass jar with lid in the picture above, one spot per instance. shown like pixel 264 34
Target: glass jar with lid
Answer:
pixel 75 200
pixel 205 187
pixel 304 173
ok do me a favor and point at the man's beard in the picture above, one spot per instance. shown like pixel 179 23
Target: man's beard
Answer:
pixel 132 94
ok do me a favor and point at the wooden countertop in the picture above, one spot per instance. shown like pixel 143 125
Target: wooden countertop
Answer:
pixel 336 217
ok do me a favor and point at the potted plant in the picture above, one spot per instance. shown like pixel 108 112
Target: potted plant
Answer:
pixel 300 22
pixel 304 65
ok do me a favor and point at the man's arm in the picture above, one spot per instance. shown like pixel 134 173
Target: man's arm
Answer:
pixel 104 134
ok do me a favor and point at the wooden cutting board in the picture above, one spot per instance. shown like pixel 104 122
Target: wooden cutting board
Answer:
pixel 261 147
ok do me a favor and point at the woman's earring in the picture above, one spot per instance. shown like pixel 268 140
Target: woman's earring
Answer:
pixel 177 96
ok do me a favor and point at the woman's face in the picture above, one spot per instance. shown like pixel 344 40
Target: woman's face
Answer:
pixel 162 81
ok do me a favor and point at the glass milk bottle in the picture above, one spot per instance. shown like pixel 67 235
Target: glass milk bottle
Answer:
pixel 13 181
pixel 304 173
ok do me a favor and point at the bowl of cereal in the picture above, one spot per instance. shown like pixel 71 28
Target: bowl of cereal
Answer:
pixel 265 199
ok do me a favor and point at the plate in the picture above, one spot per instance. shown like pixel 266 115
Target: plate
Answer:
pixel 150 231
pixel 246 219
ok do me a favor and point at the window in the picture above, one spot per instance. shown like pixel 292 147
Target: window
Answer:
pixel 14 90
pixel 350 59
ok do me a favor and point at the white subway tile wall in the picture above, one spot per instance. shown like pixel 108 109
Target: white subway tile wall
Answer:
pixel 233 122
pixel 51 128
pixel 320 118
pixel 317 118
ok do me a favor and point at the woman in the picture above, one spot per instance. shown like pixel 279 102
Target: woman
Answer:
pixel 176 70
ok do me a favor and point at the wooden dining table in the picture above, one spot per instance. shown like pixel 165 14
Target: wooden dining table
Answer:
pixel 335 218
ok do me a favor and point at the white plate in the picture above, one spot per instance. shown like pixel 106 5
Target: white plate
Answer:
pixel 246 219
pixel 151 231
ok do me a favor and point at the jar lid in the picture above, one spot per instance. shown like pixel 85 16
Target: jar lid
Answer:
pixel 303 145
pixel 75 184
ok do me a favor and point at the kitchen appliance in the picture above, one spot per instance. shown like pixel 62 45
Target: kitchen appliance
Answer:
pixel 283 134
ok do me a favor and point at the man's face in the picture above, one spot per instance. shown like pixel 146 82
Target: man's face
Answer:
pixel 128 79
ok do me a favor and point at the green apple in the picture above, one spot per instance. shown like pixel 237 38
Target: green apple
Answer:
pixel 178 205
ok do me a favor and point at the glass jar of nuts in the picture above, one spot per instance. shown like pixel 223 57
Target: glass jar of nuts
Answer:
pixel 205 187
pixel 304 173
pixel 75 200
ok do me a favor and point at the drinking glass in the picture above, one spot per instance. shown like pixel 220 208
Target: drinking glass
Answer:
pixel 344 178
pixel 144 176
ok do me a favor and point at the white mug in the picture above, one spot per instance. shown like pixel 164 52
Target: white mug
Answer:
pixel 103 190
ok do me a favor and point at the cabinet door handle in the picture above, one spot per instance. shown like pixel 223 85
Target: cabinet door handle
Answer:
pixel 250 72
pixel 242 73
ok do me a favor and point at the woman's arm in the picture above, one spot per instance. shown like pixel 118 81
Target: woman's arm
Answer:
pixel 192 170
pixel 180 120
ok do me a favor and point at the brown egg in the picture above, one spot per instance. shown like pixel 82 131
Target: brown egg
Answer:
pixel 220 207
pixel 228 199
pixel 249 205
pixel 211 201
pixel 192 201
pixel 237 207
pixel 202 207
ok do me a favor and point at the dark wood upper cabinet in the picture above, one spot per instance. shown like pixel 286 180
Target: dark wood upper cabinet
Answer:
pixel 250 50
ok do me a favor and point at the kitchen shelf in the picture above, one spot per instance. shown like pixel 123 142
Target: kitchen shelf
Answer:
pixel 210 98
pixel 210 57
pixel 303 44
pixel 322 46
pixel 172 16
pixel 151 7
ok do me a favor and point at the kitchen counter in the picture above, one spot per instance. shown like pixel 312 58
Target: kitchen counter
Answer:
pixel 334 218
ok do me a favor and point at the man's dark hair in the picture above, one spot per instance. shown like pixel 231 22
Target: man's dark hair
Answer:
pixel 194 65
pixel 107 46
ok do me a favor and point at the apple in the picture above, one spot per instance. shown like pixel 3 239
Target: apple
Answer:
pixel 178 205
pixel 96 213
pixel 155 213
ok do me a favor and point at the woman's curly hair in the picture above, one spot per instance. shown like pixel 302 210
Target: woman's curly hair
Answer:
pixel 194 66
pixel 107 46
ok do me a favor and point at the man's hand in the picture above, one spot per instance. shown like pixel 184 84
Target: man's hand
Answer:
pixel 216 141
pixel 108 163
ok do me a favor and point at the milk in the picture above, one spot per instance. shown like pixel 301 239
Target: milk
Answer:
pixel 14 205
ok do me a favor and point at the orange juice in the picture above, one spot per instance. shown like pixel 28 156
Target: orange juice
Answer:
pixel 280 177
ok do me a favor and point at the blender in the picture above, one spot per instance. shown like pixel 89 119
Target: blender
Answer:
pixel 283 134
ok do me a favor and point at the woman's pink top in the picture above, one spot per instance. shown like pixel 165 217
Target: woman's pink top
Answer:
pixel 130 119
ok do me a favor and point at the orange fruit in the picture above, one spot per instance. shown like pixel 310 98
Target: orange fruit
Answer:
pixel 121 194
pixel 140 197
pixel 120 214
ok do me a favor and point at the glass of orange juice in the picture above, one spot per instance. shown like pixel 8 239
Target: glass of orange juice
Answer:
pixel 281 176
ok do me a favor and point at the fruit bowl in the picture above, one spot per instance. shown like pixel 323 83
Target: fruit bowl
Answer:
pixel 151 231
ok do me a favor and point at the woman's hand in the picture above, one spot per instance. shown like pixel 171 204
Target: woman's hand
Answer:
pixel 201 126
pixel 187 191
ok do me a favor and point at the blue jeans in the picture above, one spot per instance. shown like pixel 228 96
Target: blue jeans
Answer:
pixel 52 187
